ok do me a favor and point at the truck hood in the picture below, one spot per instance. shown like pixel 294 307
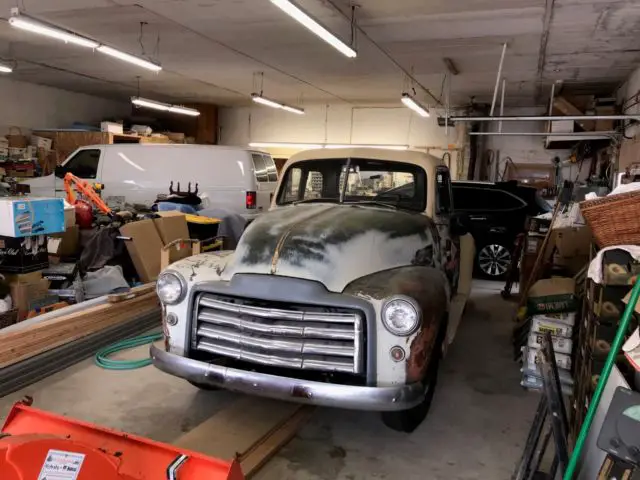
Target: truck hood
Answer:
pixel 332 243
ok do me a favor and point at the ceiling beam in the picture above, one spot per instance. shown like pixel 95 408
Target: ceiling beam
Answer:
pixel 544 40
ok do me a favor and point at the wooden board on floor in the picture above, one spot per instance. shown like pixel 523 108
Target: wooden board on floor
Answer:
pixel 252 430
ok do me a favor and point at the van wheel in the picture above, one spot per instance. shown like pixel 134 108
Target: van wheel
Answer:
pixel 204 386
pixel 408 420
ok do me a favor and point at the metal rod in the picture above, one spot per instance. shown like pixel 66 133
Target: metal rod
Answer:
pixel 604 377
pixel 498 76
pixel 544 118
pixel 533 437
pixel 553 94
pixel 504 86
pixel 546 134
pixel 447 103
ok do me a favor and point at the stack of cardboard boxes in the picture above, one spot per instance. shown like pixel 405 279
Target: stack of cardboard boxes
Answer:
pixel 25 224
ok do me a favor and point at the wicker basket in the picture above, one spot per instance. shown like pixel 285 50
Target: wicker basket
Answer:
pixel 614 220
pixel 8 318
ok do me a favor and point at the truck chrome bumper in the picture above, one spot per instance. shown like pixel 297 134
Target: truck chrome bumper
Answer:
pixel 290 389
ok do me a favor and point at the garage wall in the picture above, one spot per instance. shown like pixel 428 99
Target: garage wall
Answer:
pixel 338 124
pixel 523 149
pixel 28 106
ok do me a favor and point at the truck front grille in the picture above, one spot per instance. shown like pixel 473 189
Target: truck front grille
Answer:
pixel 300 337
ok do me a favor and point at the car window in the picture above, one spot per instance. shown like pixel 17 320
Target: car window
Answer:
pixel 272 171
pixel 84 164
pixel 484 199
pixel 260 168
pixel 311 181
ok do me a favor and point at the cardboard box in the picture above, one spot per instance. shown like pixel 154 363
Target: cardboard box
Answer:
pixel 23 255
pixel 41 142
pixel 552 295
pixel 27 216
pixel 31 277
pixel 572 241
pixel 144 248
pixel 26 295
pixel 64 244
pixel 111 127
pixel 172 226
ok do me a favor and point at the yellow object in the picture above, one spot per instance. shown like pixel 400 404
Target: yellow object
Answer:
pixel 522 313
pixel 202 220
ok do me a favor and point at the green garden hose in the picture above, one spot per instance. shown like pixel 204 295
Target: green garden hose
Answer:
pixel 102 357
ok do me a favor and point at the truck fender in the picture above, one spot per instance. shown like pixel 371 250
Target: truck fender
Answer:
pixel 430 289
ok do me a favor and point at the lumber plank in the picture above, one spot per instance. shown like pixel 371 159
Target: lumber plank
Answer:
pixel 23 344
pixel 263 450
pixel 235 429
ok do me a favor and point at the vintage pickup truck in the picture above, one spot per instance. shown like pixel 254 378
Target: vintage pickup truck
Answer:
pixel 345 294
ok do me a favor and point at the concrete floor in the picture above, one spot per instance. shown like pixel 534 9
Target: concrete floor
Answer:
pixel 475 430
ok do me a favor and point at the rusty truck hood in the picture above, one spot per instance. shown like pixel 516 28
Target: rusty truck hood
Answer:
pixel 333 243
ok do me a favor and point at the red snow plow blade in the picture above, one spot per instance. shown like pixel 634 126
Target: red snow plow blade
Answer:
pixel 37 445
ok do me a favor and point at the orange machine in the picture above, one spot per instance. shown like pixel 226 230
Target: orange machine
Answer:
pixel 87 190
pixel 37 445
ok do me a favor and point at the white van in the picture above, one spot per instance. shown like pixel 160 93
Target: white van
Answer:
pixel 231 178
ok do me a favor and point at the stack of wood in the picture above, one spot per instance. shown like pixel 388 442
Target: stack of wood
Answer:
pixel 34 339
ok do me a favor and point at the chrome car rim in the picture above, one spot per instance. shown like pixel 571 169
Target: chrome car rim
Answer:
pixel 494 260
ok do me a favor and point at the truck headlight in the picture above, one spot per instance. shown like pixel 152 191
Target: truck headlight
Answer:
pixel 401 315
pixel 171 288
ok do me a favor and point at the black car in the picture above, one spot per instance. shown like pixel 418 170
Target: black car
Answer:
pixel 498 213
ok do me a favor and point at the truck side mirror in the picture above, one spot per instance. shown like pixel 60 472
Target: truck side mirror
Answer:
pixel 60 171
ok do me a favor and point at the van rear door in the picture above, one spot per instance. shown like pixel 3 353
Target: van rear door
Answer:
pixel 266 179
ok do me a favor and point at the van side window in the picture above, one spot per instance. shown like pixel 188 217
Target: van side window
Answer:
pixel 302 185
pixel 84 164
pixel 260 167
pixel 272 171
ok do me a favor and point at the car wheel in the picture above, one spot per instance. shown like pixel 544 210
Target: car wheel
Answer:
pixel 493 260
pixel 204 386
pixel 408 420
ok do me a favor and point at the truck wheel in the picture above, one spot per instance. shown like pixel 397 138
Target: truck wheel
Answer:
pixel 408 420
pixel 204 386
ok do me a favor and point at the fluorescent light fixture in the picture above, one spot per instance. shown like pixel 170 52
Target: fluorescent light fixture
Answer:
pixel 258 98
pixel 5 68
pixel 184 110
pixel 165 107
pixel 125 57
pixel 298 14
pixel 320 145
pixel 25 23
pixel 409 101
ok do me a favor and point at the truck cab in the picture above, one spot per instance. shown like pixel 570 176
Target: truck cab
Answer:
pixel 345 294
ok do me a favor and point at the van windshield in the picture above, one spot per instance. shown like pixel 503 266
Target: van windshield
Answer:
pixel 400 185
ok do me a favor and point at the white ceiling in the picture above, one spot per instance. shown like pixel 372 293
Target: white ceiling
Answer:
pixel 210 49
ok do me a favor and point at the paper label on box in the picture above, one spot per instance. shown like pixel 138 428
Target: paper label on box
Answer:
pixel 60 465
pixel 53 245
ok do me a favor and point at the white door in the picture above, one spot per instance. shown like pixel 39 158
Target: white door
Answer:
pixel 266 180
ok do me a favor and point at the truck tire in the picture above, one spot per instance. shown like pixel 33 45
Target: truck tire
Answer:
pixel 408 420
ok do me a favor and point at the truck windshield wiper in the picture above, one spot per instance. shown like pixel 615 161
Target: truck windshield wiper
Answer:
pixel 373 202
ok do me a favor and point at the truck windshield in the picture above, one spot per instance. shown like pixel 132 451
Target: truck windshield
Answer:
pixel 400 185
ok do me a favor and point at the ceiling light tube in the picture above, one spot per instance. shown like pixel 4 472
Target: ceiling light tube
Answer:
pixel 141 62
pixel 144 102
pixel 410 102
pixel 164 107
pixel 298 14
pixel 184 110
pixel 5 68
pixel 26 23
pixel 258 98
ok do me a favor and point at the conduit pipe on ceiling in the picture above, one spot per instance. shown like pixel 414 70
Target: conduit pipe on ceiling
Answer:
pixel 544 118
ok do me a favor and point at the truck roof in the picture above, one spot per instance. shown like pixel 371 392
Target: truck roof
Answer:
pixel 406 156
